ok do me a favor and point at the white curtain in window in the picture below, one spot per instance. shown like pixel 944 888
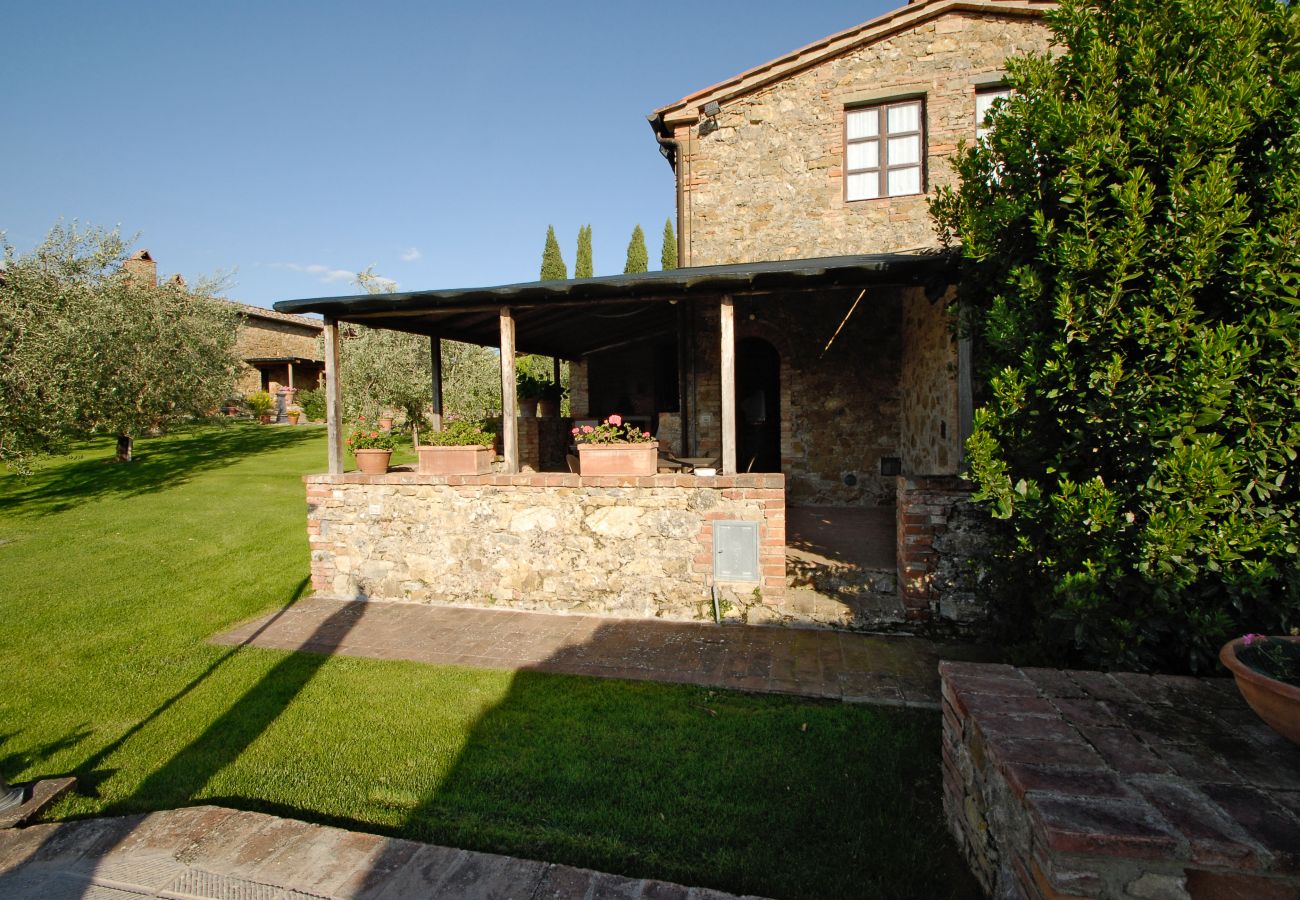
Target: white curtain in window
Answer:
pixel 904 181
pixel 865 155
pixel 904 151
pixel 864 186
pixel 863 124
pixel 904 117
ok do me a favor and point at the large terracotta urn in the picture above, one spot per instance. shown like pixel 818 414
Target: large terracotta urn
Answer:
pixel 1276 702
pixel 372 462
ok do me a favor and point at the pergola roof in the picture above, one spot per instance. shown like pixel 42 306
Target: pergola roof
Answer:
pixel 579 316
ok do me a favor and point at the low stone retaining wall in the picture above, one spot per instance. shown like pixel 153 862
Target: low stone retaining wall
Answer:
pixel 617 546
pixel 1080 784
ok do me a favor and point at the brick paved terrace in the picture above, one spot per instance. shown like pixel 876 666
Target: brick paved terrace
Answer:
pixel 889 670
pixel 1082 784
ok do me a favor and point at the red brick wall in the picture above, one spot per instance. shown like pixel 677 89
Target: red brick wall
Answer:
pixel 924 506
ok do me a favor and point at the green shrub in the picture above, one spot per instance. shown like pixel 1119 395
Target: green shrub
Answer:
pixel 260 404
pixel 1130 235
pixel 313 405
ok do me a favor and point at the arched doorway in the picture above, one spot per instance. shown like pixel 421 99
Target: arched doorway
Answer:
pixel 758 406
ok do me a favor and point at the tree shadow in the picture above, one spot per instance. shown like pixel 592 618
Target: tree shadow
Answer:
pixel 177 781
pixel 160 463
pixel 752 794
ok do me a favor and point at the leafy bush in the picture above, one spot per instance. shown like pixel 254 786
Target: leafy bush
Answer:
pixel 1130 234
pixel 313 405
pixel 260 404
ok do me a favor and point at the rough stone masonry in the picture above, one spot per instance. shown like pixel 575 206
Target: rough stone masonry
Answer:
pixel 617 546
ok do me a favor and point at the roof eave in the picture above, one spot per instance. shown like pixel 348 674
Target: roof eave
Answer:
pixel 686 110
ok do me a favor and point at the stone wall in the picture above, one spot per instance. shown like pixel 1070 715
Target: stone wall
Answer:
pixel 943 551
pixel 768 182
pixel 930 431
pixel 616 546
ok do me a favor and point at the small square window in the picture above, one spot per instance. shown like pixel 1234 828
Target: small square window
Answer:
pixel 884 149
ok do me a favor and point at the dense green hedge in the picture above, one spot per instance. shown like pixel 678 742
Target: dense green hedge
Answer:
pixel 1130 236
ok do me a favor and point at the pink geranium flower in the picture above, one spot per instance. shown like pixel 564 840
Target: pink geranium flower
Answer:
pixel 1251 638
pixel 587 429
pixel 615 420
pixel 574 431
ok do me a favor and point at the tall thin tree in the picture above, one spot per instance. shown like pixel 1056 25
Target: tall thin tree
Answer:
pixel 553 267
pixel 582 267
pixel 668 256
pixel 638 260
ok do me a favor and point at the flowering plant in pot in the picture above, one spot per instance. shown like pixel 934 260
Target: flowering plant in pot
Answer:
pixel 614 448
pixel 464 447
pixel 531 390
pixel 294 413
pixel 1267 672
pixel 371 447
pixel 261 404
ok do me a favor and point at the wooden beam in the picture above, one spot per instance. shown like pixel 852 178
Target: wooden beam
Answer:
pixel 291 375
pixel 435 357
pixel 728 330
pixel 333 397
pixel 509 400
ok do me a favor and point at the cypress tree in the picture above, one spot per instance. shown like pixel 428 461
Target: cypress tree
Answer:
pixel 668 256
pixel 553 267
pixel 582 267
pixel 638 260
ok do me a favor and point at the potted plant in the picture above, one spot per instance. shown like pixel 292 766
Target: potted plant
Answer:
pixel 261 405
pixel 530 391
pixel 372 447
pixel 462 448
pixel 385 422
pixel 1267 671
pixel 612 448
pixel 294 413
pixel 548 405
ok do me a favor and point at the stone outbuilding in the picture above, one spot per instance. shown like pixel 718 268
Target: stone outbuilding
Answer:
pixel 276 348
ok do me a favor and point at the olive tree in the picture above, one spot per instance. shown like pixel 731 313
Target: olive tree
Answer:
pixel 86 349
pixel 1130 241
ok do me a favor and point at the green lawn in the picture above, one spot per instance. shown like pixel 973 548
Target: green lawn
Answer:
pixel 115 576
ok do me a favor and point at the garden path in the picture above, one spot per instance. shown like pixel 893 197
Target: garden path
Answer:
pixel 859 668
pixel 213 853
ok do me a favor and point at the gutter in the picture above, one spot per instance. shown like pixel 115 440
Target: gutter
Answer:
pixel 663 134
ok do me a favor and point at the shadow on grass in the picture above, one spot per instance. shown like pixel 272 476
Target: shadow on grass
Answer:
pixel 768 795
pixel 160 463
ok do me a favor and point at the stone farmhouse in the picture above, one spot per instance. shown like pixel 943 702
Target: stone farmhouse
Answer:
pixel 806 345
pixel 277 348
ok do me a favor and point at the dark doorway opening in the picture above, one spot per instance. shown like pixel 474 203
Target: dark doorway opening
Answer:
pixel 758 406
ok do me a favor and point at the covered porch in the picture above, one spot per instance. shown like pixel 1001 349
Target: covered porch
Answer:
pixel 814 383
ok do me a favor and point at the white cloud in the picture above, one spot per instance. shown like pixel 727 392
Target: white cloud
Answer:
pixel 411 255
pixel 327 275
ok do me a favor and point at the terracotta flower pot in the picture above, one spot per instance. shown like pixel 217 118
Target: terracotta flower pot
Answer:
pixel 372 462
pixel 385 423
pixel 293 418
pixel 548 409
pixel 266 419
pixel 1276 702
pixel 469 459
pixel 528 408
pixel 618 459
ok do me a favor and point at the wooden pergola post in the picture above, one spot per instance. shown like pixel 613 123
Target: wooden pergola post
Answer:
pixel 333 397
pixel 291 387
pixel 727 327
pixel 509 399
pixel 435 357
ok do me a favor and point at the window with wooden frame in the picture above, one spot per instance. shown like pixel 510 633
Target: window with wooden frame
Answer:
pixel 985 97
pixel 884 149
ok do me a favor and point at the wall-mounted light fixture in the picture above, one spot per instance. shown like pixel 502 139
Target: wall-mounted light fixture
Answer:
pixel 710 118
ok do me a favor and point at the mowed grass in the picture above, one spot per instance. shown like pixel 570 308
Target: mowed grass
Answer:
pixel 114 577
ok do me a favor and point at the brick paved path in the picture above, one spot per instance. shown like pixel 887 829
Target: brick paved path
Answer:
pixel 207 852
pixel 807 662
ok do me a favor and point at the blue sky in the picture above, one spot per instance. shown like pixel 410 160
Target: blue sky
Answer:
pixel 295 143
